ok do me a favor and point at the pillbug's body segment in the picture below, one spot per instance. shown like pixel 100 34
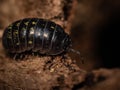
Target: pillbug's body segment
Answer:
pixel 36 35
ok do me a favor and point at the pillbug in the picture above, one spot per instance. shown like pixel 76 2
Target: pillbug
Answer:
pixel 36 35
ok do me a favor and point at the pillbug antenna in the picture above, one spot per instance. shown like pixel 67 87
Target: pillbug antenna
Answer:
pixel 77 52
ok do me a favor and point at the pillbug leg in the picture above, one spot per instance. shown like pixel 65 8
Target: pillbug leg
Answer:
pixel 52 57
pixel 33 54
pixel 49 63
pixel 16 56
pixel 64 57
pixel 77 52
pixel 22 56
pixel 37 54
pixel 26 56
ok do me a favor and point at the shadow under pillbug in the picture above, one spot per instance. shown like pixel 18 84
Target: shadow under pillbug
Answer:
pixel 36 35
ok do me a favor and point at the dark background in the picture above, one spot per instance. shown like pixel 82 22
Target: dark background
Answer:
pixel 95 33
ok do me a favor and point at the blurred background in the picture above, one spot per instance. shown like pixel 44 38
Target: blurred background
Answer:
pixel 95 33
pixel 95 28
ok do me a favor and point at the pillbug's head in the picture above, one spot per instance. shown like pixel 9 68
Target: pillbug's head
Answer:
pixel 67 44
pixel 68 47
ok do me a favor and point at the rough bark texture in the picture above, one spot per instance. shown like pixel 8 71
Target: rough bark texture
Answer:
pixel 44 73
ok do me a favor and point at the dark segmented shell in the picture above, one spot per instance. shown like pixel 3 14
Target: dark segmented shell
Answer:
pixel 38 35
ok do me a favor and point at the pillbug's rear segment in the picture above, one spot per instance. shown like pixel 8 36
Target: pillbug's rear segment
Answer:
pixel 36 35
